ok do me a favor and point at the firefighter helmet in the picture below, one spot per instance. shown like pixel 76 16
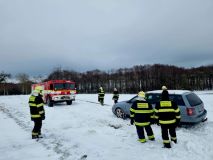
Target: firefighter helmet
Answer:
pixel 141 94
pixel 38 89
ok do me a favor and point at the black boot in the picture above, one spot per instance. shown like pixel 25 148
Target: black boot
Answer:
pixel 175 141
pixel 151 139
pixel 167 145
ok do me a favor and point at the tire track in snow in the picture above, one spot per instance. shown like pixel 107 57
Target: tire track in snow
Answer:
pixel 92 102
pixel 52 142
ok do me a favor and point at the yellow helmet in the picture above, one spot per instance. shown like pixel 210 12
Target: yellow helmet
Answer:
pixel 38 89
pixel 141 94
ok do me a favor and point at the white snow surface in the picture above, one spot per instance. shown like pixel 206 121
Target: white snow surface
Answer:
pixel 87 130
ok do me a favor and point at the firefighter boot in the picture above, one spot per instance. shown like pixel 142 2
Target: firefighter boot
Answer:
pixel 167 145
pixel 40 135
pixel 152 139
pixel 175 141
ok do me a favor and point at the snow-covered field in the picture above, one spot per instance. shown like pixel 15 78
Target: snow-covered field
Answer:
pixel 86 130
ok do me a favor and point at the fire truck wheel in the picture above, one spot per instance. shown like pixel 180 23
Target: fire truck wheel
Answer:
pixel 69 102
pixel 49 102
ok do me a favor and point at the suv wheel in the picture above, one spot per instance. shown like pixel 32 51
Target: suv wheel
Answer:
pixel 120 113
pixel 49 102
pixel 69 102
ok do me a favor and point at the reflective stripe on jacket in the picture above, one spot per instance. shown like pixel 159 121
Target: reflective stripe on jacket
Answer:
pixel 101 93
pixel 141 112
pixel 36 107
pixel 167 112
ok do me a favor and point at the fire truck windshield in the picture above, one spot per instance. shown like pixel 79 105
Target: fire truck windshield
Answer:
pixel 61 86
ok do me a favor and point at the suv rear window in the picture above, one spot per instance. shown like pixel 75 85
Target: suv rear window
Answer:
pixel 178 99
pixel 193 99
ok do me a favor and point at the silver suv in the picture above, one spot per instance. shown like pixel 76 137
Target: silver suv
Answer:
pixel 191 106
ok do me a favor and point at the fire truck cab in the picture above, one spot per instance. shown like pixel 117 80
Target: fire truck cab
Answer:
pixel 55 91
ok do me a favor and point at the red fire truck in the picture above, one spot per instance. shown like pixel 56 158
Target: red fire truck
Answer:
pixel 55 91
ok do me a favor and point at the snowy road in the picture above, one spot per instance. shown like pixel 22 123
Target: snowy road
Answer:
pixel 86 130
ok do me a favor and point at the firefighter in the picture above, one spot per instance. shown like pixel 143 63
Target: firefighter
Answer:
pixel 142 115
pixel 37 111
pixel 167 115
pixel 115 95
pixel 101 94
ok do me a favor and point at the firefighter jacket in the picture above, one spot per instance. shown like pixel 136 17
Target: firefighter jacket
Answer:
pixel 115 95
pixel 167 112
pixel 142 113
pixel 101 93
pixel 36 104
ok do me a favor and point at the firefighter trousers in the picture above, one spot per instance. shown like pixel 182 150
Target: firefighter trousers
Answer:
pixel 167 130
pixel 37 127
pixel 140 132
pixel 101 100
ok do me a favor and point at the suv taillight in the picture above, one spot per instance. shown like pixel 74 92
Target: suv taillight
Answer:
pixel 190 111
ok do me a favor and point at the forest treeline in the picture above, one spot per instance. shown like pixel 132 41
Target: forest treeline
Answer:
pixel 126 80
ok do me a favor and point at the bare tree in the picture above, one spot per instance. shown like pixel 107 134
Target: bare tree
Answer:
pixel 24 81
pixel 3 78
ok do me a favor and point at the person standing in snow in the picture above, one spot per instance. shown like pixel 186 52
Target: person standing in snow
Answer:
pixel 37 111
pixel 168 117
pixel 142 115
pixel 115 95
pixel 101 94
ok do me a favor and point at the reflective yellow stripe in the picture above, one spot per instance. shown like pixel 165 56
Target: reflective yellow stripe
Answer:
pixel 142 105
pixel 142 140
pixel 178 117
pixel 34 133
pixel 36 116
pixel 165 103
pixel 132 115
pixel 167 122
pixel 32 98
pixel 166 141
pixel 177 110
pixel 156 117
pixel 143 111
pixel 132 110
pixel 41 112
pixel 152 116
pixel 142 124
pixel 173 138
pixel 150 137
pixel 156 110
pixel 166 110
pixel 32 104
pixel 40 105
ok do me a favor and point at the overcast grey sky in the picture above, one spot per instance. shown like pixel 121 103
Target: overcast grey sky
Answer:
pixel 39 35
